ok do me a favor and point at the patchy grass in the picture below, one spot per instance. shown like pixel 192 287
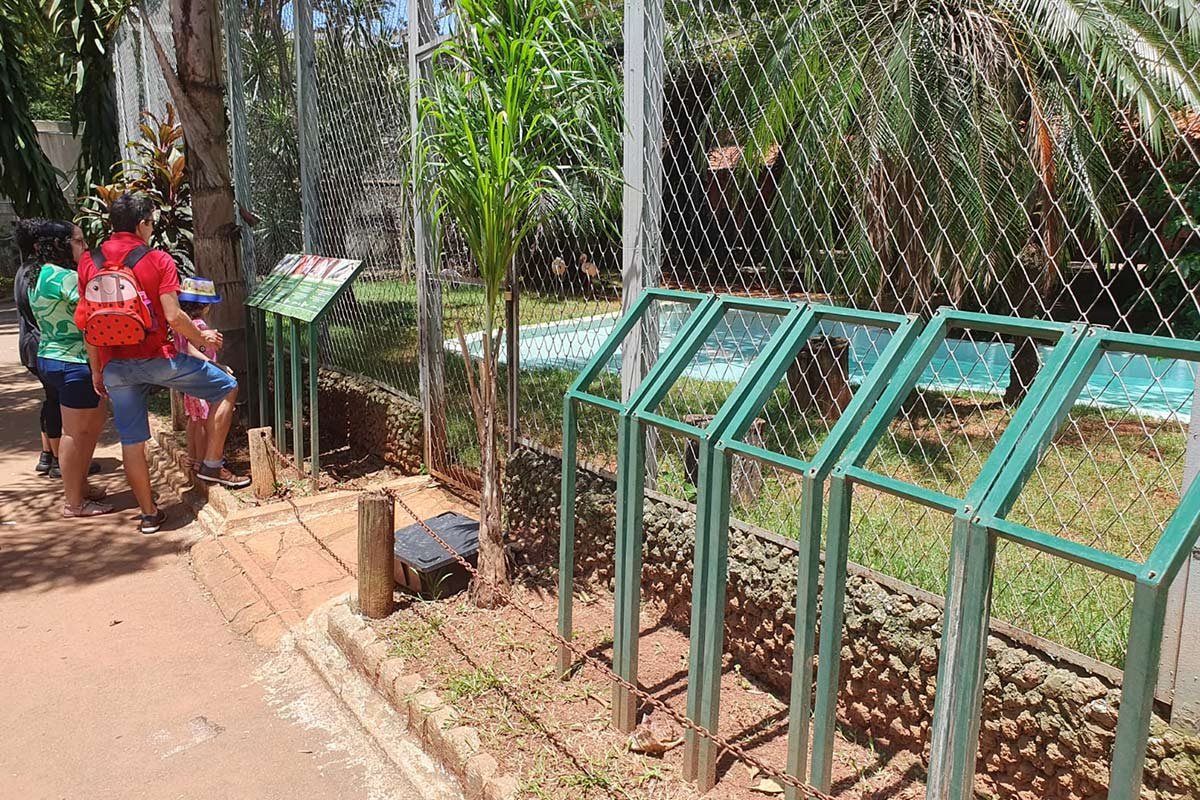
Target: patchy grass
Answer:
pixel 414 639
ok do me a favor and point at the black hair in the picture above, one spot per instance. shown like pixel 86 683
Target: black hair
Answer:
pixel 128 210
pixel 26 233
pixel 192 308
pixel 54 243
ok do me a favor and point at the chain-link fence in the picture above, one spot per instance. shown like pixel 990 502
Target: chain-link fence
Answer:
pixel 1019 159
pixel 1033 159
pixel 139 81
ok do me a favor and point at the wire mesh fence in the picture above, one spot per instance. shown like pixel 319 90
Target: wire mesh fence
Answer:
pixel 1034 159
pixel 140 85
pixel 902 157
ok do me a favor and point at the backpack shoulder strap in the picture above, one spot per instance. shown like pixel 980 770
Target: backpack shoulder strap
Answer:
pixel 135 255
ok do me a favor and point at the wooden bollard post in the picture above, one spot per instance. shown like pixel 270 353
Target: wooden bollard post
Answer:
pixel 376 542
pixel 262 463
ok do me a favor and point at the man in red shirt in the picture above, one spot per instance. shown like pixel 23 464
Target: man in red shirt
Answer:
pixel 126 374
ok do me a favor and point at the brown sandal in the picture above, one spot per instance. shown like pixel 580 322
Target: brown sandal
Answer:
pixel 88 508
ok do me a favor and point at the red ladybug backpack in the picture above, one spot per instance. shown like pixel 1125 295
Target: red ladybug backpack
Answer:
pixel 113 310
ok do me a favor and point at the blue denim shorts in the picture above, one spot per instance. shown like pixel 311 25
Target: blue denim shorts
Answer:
pixel 129 381
pixel 72 381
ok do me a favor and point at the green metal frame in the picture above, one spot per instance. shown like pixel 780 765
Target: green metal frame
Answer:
pixel 301 336
pixel 850 470
pixel 718 442
pixel 968 599
pixel 978 519
pixel 578 394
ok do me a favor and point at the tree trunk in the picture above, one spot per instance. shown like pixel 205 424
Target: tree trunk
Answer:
pixel 1022 371
pixel 1037 264
pixel 491 591
pixel 197 89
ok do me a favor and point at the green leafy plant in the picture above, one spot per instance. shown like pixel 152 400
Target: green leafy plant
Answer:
pixel 157 170
pixel 956 150
pixel 26 175
pixel 86 30
pixel 950 151
pixel 513 127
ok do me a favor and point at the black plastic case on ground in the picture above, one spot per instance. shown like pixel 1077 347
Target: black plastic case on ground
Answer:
pixel 423 566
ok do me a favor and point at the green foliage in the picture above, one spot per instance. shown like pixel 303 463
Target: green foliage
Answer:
pixel 1171 250
pixel 952 149
pixel 157 170
pixel 49 96
pixel 86 28
pixel 518 128
pixel 26 174
pixel 271 119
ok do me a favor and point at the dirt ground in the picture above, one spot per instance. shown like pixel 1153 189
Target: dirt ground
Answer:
pixel 499 670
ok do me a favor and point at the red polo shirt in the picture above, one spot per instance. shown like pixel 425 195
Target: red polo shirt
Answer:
pixel 157 275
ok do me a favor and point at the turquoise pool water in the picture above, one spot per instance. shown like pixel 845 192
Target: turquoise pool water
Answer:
pixel 1152 387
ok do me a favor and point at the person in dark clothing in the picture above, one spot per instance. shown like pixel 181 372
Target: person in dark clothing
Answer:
pixel 28 231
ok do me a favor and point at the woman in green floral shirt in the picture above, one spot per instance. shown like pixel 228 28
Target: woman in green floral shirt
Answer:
pixel 63 363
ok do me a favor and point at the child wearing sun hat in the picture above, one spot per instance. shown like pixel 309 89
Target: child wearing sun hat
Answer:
pixel 196 297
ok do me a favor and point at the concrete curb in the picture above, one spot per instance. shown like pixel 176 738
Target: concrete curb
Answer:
pixel 387 726
pixel 427 716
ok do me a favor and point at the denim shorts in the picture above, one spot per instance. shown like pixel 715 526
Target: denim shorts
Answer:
pixel 129 380
pixel 72 382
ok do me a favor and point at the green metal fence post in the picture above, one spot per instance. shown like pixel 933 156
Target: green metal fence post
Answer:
pixel 631 446
pixel 280 388
pixel 954 739
pixel 891 394
pixel 314 416
pixel 808 568
pixel 707 633
pixel 1137 689
pixel 631 500
pixel 833 615
pixel 297 375
pixel 577 393
pixel 260 353
pixel 566 532
pixel 711 552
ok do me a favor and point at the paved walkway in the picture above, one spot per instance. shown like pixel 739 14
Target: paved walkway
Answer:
pixel 121 678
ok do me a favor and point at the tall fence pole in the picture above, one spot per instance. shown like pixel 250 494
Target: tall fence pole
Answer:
pixel 236 103
pixel 430 354
pixel 641 224
pixel 306 114
pixel 1180 668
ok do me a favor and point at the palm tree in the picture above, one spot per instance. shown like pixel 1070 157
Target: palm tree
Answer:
pixel 955 150
pixel 518 129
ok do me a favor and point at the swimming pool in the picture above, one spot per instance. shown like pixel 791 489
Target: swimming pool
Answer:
pixel 1152 387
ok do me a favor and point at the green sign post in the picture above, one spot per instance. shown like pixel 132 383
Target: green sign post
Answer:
pixel 297 294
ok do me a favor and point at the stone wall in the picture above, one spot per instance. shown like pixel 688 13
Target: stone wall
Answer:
pixel 371 417
pixel 1048 727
